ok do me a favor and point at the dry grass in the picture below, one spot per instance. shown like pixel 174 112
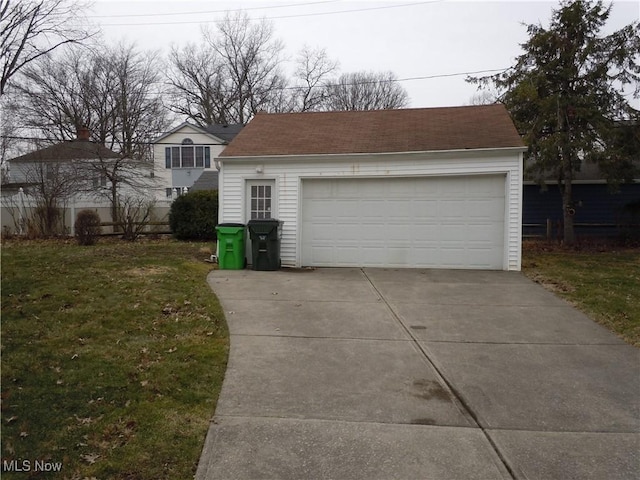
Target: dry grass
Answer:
pixel 112 358
pixel 601 280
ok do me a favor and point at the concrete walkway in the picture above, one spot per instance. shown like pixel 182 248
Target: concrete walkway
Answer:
pixel 417 374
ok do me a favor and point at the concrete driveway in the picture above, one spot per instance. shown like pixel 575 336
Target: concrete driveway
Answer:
pixel 417 374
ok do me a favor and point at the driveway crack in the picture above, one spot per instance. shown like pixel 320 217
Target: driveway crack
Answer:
pixel 460 400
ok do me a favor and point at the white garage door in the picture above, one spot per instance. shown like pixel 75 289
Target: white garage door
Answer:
pixel 441 222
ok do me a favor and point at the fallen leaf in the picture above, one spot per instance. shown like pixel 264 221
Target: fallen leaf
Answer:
pixel 23 434
pixel 84 421
pixel 90 458
pixel 11 419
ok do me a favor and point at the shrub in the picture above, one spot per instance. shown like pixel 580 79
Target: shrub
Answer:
pixel 87 227
pixel 47 222
pixel 194 216
pixel 134 214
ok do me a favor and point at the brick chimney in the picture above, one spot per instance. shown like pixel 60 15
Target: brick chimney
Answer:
pixel 84 133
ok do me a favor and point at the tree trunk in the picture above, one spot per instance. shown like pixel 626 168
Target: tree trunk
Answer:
pixel 566 159
pixel 568 213
pixel 568 210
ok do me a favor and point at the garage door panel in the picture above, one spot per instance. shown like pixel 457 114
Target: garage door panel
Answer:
pixel 449 222
pixel 452 208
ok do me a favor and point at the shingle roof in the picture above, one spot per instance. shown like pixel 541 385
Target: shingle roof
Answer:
pixel 65 151
pixel 226 132
pixel 208 180
pixel 377 131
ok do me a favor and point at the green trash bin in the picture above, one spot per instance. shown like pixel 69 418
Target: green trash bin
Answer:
pixel 265 243
pixel 231 246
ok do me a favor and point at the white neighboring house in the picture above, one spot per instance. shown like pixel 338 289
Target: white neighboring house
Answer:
pixel 431 187
pixel 185 158
pixel 67 172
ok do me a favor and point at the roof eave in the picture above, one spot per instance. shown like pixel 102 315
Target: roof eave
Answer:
pixel 195 127
pixel 412 152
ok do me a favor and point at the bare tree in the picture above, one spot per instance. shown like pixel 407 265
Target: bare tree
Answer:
pixel 8 136
pixel 313 70
pixel 30 29
pixel 140 113
pixel 198 86
pixel 115 178
pixel 115 91
pixel 53 100
pixel 483 97
pixel 251 58
pixel 135 212
pixel 366 91
pixel 51 186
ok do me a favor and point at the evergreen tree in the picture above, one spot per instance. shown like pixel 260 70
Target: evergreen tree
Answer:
pixel 566 96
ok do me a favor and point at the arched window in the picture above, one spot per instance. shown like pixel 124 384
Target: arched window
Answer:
pixel 187 154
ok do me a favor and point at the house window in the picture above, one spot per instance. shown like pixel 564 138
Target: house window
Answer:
pixel 177 191
pixel 100 181
pixel 175 157
pixel 187 156
pixel 199 157
pixel 260 201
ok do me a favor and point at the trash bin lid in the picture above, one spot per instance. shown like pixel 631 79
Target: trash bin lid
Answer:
pixel 263 221
pixel 235 225
pixel 263 226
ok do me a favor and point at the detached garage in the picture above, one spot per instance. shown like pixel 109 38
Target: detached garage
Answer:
pixel 430 188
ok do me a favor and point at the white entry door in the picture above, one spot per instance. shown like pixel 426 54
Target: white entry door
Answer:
pixel 260 199
pixel 439 222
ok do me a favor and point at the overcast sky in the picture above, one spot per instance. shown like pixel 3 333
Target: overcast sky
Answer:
pixel 421 42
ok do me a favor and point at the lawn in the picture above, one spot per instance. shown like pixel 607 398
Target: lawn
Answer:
pixel 604 282
pixel 112 359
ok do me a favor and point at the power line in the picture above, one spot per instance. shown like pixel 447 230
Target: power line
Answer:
pixel 396 80
pixel 300 15
pixel 268 7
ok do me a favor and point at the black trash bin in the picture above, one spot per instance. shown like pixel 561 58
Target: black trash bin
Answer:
pixel 265 243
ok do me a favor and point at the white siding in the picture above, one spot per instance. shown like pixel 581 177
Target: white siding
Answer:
pixel 162 174
pixel 289 172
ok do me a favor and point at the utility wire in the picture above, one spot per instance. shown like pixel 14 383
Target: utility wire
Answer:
pixel 268 7
pixel 350 84
pixel 300 15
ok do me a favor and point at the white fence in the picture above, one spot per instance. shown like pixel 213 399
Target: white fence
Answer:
pixel 17 210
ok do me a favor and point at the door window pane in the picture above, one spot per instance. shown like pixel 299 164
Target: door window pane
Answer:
pixel 260 201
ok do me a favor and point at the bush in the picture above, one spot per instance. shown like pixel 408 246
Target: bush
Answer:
pixel 87 227
pixel 194 216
